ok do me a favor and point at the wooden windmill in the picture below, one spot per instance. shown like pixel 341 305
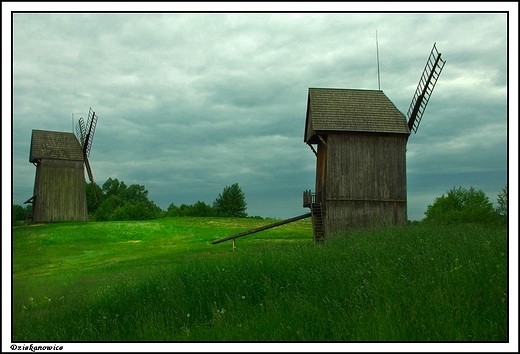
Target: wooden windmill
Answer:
pixel 59 186
pixel 361 154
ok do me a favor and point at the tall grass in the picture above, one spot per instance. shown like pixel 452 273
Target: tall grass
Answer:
pixel 421 283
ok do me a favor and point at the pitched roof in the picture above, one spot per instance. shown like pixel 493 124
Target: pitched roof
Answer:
pixel 349 110
pixel 54 145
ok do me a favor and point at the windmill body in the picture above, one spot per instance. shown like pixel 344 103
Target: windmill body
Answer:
pixel 359 138
pixel 360 159
pixel 59 185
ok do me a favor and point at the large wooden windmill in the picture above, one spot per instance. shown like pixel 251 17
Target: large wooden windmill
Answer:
pixel 361 154
pixel 59 185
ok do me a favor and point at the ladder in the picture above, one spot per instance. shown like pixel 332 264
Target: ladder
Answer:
pixel 317 222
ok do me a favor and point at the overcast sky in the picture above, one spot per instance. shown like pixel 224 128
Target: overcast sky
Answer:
pixel 191 103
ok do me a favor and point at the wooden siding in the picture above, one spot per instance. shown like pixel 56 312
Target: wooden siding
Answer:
pixel 59 191
pixel 366 180
pixel 344 216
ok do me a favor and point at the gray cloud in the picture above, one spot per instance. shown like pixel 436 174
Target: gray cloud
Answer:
pixel 190 103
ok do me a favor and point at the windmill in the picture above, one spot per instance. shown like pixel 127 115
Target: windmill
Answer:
pixel 59 184
pixel 360 156
pixel 361 142
pixel 85 135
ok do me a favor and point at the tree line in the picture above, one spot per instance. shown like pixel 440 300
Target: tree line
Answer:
pixel 117 201
pixel 114 200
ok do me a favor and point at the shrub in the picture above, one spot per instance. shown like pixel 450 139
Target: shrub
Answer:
pixel 461 205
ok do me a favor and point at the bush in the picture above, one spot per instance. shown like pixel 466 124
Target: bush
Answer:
pixel 461 205
pixel 19 213
pixel 105 209
pixel 131 211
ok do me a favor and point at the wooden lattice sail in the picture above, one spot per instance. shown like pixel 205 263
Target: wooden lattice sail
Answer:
pixel 85 135
pixel 424 90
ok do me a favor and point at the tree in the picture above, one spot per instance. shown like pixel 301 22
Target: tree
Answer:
pixel 202 209
pixel 502 208
pixel 114 187
pixel 20 213
pixel 231 202
pixel 502 201
pixel 172 210
pixel 92 205
pixel 461 205
pixel 122 202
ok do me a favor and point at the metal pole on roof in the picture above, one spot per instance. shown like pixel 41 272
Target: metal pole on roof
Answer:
pixel 378 76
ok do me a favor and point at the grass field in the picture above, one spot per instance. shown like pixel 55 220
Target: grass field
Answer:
pixel 163 280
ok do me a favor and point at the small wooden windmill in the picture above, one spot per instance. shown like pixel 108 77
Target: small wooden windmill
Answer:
pixel 59 186
pixel 361 154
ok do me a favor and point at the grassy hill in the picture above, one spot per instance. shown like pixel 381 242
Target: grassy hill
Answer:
pixel 163 280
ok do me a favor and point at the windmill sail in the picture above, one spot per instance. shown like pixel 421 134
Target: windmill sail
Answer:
pixel 91 126
pixel 424 89
pixel 80 131
pixel 85 135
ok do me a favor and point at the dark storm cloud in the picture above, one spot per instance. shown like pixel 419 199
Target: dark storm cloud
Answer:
pixel 190 103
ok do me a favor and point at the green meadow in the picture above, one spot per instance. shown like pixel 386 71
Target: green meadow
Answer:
pixel 163 280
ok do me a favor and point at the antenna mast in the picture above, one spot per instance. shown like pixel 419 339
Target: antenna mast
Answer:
pixel 378 76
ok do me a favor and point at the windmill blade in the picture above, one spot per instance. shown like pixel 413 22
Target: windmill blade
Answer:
pixel 91 178
pixel 80 131
pixel 424 90
pixel 91 127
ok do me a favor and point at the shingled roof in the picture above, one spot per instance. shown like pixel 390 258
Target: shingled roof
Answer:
pixel 348 110
pixel 54 145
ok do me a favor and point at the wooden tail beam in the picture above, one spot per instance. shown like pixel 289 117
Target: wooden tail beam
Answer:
pixel 262 228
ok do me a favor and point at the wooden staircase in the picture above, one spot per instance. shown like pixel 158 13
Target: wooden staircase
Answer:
pixel 317 222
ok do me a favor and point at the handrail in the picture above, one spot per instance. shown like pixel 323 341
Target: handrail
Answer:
pixel 309 198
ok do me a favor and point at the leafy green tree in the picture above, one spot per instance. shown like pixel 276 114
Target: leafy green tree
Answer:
pixel 112 187
pixel 202 209
pixel 122 202
pixel 106 208
pixel 92 204
pixel 502 208
pixel 185 210
pixel 461 205
pixel 197 209
pixel 19 212
pixel 172 210
pixel 502 201
pixel 231 202
pixel 133 211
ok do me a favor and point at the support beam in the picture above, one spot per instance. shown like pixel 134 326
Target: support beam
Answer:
pixel 262 228
pixel 313 150
pixel 322 140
